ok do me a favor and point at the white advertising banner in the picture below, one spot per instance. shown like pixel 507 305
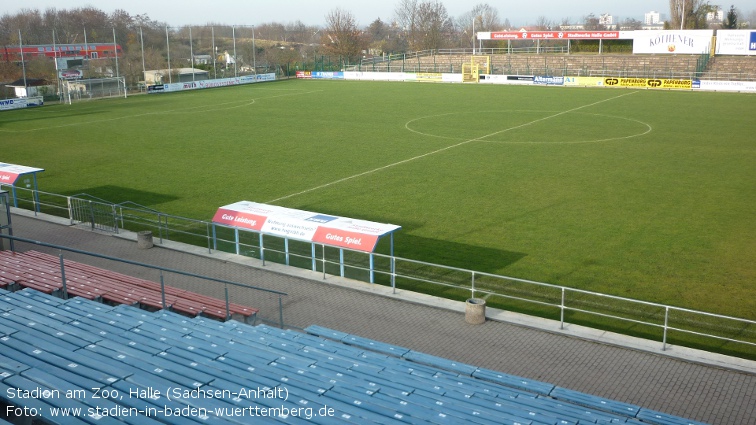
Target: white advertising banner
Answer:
pixel 18 103
pixel 686 42
pixel 506 79
pixel 736 42
pixel 730 86
pixel 379 76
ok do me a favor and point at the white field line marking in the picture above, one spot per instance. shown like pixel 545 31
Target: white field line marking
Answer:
pixel 404 161
pixel 647 130
pixel 169 111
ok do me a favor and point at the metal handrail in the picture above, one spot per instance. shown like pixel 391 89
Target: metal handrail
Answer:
pixel 436 277
pixel 151 266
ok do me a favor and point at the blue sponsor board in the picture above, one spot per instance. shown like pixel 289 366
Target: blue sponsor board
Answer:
pixel 752 43
pixel 696 84
pixel 327 75
pixel 550 81
pixel 321 218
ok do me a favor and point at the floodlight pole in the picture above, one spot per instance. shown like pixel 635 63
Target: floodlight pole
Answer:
pixel 191 51
pixel 168 49
pixel 473 35
pixel 215 53
pixel 233 34
pixel 144 68
pixel 115 50
pixel 23 64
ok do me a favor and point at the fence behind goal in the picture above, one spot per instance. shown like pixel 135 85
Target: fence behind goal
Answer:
pixel 93 88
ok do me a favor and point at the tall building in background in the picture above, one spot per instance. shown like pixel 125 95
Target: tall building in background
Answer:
pixel 716 16
pixel 652 18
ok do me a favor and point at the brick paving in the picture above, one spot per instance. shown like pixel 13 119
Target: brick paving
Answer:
pixel 695 391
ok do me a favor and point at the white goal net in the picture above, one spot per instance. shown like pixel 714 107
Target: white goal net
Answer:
pixel 93 88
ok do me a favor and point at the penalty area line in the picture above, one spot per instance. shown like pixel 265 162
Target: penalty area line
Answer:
pixel 444 149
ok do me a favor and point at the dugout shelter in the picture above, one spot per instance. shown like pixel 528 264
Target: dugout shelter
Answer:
pixel 315 228
pixel 10 174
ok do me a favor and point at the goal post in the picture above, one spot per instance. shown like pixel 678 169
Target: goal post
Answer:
pixel 94 88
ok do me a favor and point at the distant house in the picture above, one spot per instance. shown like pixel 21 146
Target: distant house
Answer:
pixel 179 75
pixel 32 87
pixel 203 59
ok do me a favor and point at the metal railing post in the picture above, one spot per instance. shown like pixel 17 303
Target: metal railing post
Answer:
pixel 666 322
pixel 472 292
pixel 92 214
pixel 162 290
pixel 561 318
pixel 393 274
pixel 63 276
pixel 228 309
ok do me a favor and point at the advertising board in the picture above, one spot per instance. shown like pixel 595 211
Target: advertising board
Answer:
pixel 19 103
pixel 649 83
pixel 736 42
pixel 554 35
pixel 728 86
pixel 207 84
pixel 686 42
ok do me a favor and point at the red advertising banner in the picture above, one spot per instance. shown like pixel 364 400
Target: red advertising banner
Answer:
pixel 239 219
pixel 8 178
pixel 9 173
pixel 345 239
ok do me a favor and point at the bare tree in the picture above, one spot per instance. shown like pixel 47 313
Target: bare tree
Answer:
pixel 434 25
pixel 407 20
pixel 544 24
pixel 342 37
pixel 592 23
pixel 688 14
pixel 482 17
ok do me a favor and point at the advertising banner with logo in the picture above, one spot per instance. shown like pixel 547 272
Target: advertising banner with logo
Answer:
pixel 649 83
pixel 584 81
pixel 506 79
pixel 555 35
pixel 19 103
pixel 729 86
pixel 549 81
pixel 429 77
pixel 220 82
pixel 302 225
pixel 327 75
pixel 736 42
pixel 686 42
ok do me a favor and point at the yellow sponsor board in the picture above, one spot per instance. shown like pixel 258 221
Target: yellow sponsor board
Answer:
pixel 584 81
pixel 428 76
pixel 649 83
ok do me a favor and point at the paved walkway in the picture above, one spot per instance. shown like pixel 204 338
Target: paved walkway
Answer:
pixel 696 385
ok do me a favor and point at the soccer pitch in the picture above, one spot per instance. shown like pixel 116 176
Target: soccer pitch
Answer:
pixel 642 194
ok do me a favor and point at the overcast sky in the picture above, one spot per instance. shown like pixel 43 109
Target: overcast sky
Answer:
pixel 312 12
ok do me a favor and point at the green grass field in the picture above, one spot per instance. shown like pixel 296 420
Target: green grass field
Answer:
pixel 643 194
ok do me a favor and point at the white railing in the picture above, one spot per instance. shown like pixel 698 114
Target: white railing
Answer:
pixel 655 321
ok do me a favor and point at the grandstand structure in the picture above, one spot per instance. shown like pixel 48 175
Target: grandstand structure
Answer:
pixel 578 65
pixel 138 357
pixel 124 363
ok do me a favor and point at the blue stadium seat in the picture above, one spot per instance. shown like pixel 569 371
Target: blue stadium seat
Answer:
pixel 80 344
